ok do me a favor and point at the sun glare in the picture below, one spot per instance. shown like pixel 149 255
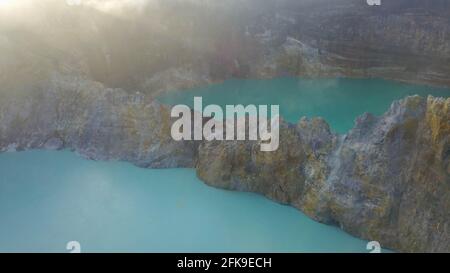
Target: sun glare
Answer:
pixel 8 3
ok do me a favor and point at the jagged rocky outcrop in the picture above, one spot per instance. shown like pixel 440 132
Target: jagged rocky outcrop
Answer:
pixel 388 179
pixel 97 122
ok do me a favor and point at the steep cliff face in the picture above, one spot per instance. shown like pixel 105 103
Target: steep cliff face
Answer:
pixel 288 175
pixel 387 180
pixel 97 122
pixel 399 40
pixel 393 181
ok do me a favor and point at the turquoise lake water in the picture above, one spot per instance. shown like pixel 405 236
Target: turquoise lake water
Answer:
pixel 48 198
pixel 338 101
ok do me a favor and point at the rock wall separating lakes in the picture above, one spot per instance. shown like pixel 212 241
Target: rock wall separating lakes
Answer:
pixel 388 179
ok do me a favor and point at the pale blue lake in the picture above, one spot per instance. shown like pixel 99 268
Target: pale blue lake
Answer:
pixel 338 101
pixel 48 198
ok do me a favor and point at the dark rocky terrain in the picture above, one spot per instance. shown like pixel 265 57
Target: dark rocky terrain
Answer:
pixel 83 78
pixel 174 44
